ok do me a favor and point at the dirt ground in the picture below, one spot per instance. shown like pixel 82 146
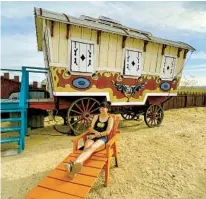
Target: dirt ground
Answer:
pixel 166 162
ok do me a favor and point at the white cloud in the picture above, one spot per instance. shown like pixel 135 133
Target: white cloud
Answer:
pixel 200 80
pixel 21 50
pixel 199 55
pixel 173 15
pixel 195 66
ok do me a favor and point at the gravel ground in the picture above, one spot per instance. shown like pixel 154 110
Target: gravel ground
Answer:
pixel 166 162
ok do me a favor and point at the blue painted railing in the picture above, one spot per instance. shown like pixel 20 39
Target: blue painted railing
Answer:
pixel 18 106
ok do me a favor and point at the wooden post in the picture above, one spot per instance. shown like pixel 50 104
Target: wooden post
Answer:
pixel 185 100
pixel 16 78
pixel 35 84
pixel 6 75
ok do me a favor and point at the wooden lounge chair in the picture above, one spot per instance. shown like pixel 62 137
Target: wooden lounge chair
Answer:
pixel 57 185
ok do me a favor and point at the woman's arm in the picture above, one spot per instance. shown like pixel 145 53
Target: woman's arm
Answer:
pixel 109 128
pixel 93 123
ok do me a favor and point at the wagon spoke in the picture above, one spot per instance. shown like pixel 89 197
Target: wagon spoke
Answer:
pixel 91 106
pixel 94 110
pixel 87 104
pixel 75 122
pixel 83 105
pixel 79 108
pixel 76 112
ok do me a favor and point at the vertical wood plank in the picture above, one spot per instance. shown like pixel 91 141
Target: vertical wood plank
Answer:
pixel 104 45
pixel 180 64
pixel 86 34
pixel 159 59
pixel 147 58
pixel 129 43
pixel 63 45
pixel 96 53
pixel 55 43
pixel 119 53
pixel 154 57
pixel 112 51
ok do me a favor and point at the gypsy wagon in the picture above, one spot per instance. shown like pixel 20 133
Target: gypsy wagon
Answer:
pixel 94 59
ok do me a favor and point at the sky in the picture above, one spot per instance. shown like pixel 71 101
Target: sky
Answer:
pixel 178 21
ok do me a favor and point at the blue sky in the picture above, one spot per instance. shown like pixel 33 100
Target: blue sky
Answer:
pixel 178 21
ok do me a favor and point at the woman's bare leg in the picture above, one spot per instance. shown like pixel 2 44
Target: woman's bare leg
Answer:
pixel 88 143
pixel 88 152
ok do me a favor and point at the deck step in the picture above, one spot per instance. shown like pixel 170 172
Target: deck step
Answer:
pixel 9 129
pixel 12 119
pixel 7 140
pixel 10 110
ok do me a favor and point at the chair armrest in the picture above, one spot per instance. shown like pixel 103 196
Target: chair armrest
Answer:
pixel 111 142
pixel 75 140
pixel 80 136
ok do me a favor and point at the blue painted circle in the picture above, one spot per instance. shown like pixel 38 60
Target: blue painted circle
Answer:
pixel 165 86
pixel 81 83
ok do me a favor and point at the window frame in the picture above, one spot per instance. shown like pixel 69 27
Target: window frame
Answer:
pixel 123 62
pixel 174 71
pixel 73 39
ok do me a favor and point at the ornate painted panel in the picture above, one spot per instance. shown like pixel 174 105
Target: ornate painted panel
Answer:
pixel 118 88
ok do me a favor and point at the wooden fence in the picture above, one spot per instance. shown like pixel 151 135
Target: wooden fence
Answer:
pixel 11 85
pixel 186 100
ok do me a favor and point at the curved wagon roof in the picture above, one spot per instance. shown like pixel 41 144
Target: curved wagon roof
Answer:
pixel 103 24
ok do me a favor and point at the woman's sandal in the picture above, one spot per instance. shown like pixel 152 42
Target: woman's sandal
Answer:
pixel 73 169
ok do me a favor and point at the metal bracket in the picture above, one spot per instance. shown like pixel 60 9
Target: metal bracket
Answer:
pixel 185 53
pixel 178 52
pixel 124 41
pixel 67 34
pixel 163 49
pixel 98 36
pixel 52 28
pixel 145 45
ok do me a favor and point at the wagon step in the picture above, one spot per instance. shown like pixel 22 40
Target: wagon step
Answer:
pixel 7 140
pixel 14 119
pixel 10 129
pixel 11 110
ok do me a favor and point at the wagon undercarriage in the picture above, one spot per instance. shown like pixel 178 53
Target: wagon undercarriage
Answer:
pixel 78 116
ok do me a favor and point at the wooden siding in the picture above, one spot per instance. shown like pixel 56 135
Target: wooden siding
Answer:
pixel 110 49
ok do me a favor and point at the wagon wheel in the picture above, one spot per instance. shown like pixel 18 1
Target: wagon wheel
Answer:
pixel 128 115
pixel 80 114
pixel 154 115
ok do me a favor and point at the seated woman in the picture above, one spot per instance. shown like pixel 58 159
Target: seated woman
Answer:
pixel 100 128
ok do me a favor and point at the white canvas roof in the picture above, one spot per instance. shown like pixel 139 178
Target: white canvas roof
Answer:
pixel 102 23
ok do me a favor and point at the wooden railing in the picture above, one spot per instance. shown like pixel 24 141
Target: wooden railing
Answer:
pixel 183 100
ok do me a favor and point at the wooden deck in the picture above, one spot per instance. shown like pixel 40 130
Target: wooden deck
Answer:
pixel 57 184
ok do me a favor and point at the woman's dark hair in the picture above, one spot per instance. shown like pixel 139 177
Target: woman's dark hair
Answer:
pixel 106 104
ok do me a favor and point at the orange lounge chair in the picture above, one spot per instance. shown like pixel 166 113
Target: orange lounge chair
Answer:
pixel 57 185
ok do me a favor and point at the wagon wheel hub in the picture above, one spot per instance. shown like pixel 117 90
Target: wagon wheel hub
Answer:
pixel 86 115
pixel 154 115
pixel 80 114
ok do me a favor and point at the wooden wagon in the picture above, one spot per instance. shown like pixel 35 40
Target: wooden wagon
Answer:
pixel 95 59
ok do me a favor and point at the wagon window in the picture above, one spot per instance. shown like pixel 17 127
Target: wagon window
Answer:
pixel 133 63
pixel 82 57
pixel 168 67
